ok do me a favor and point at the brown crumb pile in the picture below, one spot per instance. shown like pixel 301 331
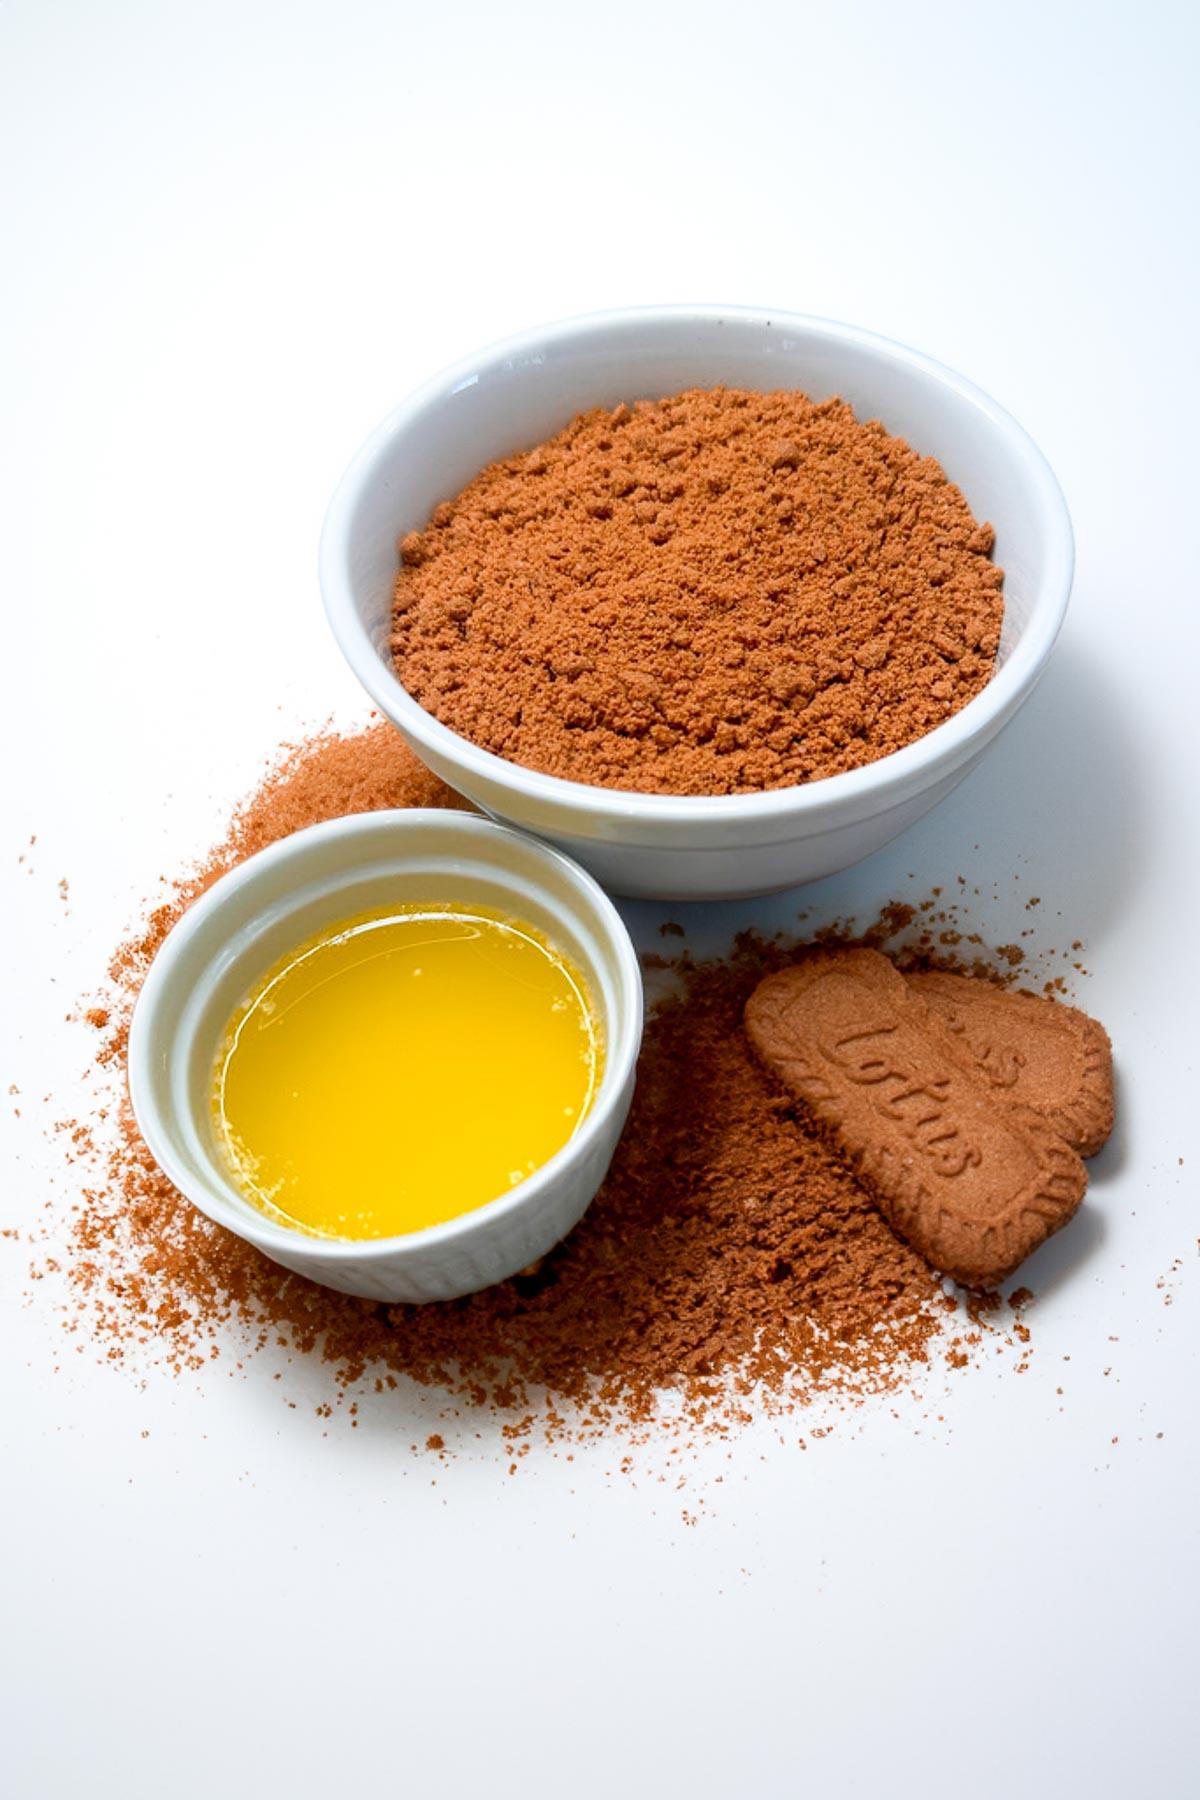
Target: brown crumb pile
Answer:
pixel 727 1252
pixel 713 593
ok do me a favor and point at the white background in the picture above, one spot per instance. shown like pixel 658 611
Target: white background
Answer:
pixel 234 235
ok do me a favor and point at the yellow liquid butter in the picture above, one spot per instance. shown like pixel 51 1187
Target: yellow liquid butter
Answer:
pixel 402 1068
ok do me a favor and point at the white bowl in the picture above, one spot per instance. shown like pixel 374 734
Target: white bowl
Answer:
pixel 522 390
pixel 285 894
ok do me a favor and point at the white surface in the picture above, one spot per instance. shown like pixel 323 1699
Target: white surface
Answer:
pixel 234 235
pixel 317 879
pixel 514 394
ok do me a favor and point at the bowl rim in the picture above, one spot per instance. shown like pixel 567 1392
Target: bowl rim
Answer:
pixel 152 1036
pixel 945 747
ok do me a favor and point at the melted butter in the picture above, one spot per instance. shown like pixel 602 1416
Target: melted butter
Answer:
pixel 402 1068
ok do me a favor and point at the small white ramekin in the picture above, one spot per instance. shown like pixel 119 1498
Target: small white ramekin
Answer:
pixel 285 894
pixel 520 391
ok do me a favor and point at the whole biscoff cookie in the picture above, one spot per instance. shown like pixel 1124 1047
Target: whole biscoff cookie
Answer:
pixel 972 1181
pixel 1037 1052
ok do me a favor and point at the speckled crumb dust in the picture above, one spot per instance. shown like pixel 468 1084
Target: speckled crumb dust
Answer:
pixel 730 1267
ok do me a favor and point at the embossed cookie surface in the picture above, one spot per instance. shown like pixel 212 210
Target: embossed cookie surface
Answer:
pixel 974 1181
pixel 1036 1052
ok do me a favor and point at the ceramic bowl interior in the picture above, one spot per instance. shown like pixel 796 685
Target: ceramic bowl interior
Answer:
pixel 516 393
pixel 323 876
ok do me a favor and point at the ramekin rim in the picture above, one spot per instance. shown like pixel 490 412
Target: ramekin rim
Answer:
pixel 264 1233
